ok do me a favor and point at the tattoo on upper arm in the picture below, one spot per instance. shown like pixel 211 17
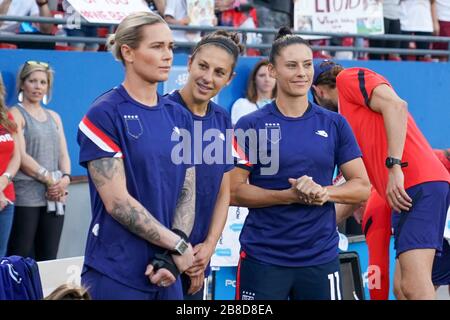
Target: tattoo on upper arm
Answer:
pixel 137 220
pixel 104 169
pixel 185 211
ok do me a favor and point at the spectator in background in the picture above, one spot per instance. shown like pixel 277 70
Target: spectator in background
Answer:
pixel 45 167
pixel 273 14
pixel 157 6
pixel 223 5
pixel 24 8
pixel 260 91
pixel 240 15
pixel 9 164
pixel 440 10
pixel 79 31
pixel 176 13
pixel 416 20
pixel 391 12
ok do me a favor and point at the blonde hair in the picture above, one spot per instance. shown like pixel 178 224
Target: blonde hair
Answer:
pixel 69 292
pixel 129 32
pixel 32 66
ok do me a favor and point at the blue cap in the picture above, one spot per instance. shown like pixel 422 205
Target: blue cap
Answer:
pixel 321 66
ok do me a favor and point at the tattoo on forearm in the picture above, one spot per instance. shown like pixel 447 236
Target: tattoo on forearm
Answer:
pixel 137 220
pixel 102 170
pixel 185 211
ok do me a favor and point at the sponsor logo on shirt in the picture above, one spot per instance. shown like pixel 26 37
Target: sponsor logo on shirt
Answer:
pixel 322 133
pixel 95 229
pixel 6 137
pixel 13 274
pixel 176 130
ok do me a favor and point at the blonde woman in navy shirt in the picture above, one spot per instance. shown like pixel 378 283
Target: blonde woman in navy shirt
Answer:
pixel 143 201
pixel 289 242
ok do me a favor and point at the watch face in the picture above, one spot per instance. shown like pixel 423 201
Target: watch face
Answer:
pixel 181 246
pixel 388 162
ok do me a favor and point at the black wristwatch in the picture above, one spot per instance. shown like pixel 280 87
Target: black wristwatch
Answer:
pixel 390 162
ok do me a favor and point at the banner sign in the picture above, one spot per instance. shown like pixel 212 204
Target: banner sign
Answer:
pixel 342 16
pixel 106 11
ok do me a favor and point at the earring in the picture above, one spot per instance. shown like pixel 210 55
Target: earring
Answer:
pixel 20 96
pixel 45 100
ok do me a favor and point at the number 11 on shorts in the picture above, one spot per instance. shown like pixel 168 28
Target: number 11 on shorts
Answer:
pixel 334 286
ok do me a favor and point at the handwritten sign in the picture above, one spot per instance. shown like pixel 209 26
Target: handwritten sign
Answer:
pixel 342 16
pixel 107 11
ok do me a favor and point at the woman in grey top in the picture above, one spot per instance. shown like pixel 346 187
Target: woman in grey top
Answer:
pixel 41 184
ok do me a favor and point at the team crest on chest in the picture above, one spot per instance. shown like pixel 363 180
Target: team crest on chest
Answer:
pixel 134 125
pixel 273 131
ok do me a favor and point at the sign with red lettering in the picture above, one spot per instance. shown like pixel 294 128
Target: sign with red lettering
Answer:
pixel 342 16
pixel 107 11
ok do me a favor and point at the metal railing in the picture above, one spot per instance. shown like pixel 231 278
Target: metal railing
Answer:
pixel 358 49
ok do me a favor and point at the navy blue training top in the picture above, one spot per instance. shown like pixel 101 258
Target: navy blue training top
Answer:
pixel 118 126
pixel 210 152
pixel 313 144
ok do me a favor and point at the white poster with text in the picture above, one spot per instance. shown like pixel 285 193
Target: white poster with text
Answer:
pixel 339 16
pixel 107 11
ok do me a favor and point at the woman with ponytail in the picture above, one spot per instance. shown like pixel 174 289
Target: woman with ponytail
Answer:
pixel 211 68
pixel 289 242
pixel 142 196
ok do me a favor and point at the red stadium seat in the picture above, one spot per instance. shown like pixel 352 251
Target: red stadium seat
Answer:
pixel 8 46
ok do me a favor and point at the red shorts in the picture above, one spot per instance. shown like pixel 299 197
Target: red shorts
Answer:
pixel 444 27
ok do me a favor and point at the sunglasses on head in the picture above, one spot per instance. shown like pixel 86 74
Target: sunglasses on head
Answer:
pixel 37 63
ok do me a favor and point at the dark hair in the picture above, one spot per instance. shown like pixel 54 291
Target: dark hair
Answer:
pixel 252 94
pixel 285 38
pixel 230 41
pixel 329 77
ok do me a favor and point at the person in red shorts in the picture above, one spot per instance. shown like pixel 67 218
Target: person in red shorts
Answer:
pixel 376 225
pixel 401 166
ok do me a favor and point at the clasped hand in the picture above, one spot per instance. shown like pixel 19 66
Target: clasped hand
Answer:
pixel 308 191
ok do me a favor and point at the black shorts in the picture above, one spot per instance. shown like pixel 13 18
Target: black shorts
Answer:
pixel 260 281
